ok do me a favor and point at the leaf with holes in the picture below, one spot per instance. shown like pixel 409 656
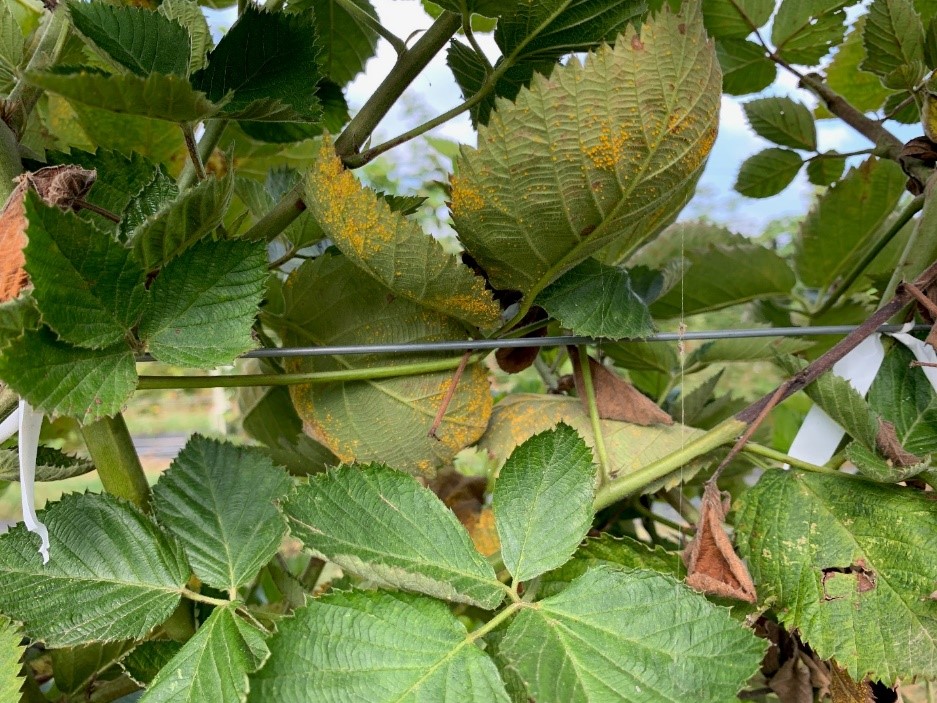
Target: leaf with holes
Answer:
pixel 561 647
pixel 543 501
pixel 331 301
pixel 203 304
pixel 220 502
pixel 626 165
pixel 141 40
pixel 391 248
pixel 362 518
pixel 864 570
pixel 112 573
pixel 213 665
pixel 381 647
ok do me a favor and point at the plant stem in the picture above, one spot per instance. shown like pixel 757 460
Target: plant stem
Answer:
pixel 292 379
pixel 409 65
pixel 400 46
pixel 921 247
pixel 651 515
pixel 199 598
pixel 496 620
pixel 585 364
pixel 769 453
pixel 836 155
pixel 283 214
pixel 904 217
pixel 194 158
pixel 627 485
pixel 470 35
pixel 112 690
pixel 23 97
pixel 206 145
pixel 116 460
pixel 310 576
pixel 679 502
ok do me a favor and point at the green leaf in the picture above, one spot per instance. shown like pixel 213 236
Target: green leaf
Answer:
pixel 613 551
pixel 757 273
pixel 75 667
pixel 203 304
pixel 553 28
pixel 543 501
pixel 862 89
pixel 768 172
pixel 865 569
pixel 213 665
pixel 51 465
pixel 16 316
pixel 190 15
pixel 146 660
pixel 782 121
pixel 220 502
pixel 112 573
pixel 331 301
pixel 751 349
pixel 902 395
pixel 804 31
pixel 88 286
pixel 745 68
pixel 562 647
pixel 842 225
pixel 391 248
pixel 142 41
pixel 626 167
pixel 183 222
pixel 273 422
pixel 11 48
pixel 149 200
pixel 268 61
pixel 376 647
pixel 346 39
pixel 643 356
pixel 60 379
pixel 876 468
pixel 893 38
pixel 735 19
pixel 596 300
pixel 384 526
pixel 826 170
pixel 629 447
pixel 11 652
pixel 157 96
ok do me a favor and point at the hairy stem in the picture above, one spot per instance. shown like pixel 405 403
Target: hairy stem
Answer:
pixel 116 460
pixel 191 145
pixel 206 145
pixel 410 64
pixel 594 418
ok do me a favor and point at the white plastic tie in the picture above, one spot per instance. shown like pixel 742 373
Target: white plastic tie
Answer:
pixel 922 351
pixel 30 422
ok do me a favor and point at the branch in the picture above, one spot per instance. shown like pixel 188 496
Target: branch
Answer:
pixel 410 64
pixel 206 145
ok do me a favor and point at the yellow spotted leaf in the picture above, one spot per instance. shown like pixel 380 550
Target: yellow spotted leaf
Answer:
pixel 600 155
pixel 393 249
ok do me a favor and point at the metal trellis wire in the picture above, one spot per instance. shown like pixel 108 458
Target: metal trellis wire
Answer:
pixel 483 344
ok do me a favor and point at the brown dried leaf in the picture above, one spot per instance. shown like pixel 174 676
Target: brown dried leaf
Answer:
pixel 886 439
pixel 63 186
pixel 615 397
pixel 844 690
pixel 482 530
pixel 516 359
pixel 712 564
pixel 792 682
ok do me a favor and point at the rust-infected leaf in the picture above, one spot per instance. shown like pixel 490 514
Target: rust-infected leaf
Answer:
pixel 712 564
pixel 56 185
pixel 844 690
pixel 615 397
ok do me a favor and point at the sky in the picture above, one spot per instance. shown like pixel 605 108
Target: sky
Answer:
pixel 435 91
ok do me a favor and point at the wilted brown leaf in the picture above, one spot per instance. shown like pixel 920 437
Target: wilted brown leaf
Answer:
pixel 712 564
pixel 791 683
pixel 889 445
pixel 615 397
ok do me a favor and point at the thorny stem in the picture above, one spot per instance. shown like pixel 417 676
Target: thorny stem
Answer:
pixel 594 418
pixel 749 431
pixel 904 217
pixel 450 392
pixel 192 146
pixel 206 145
